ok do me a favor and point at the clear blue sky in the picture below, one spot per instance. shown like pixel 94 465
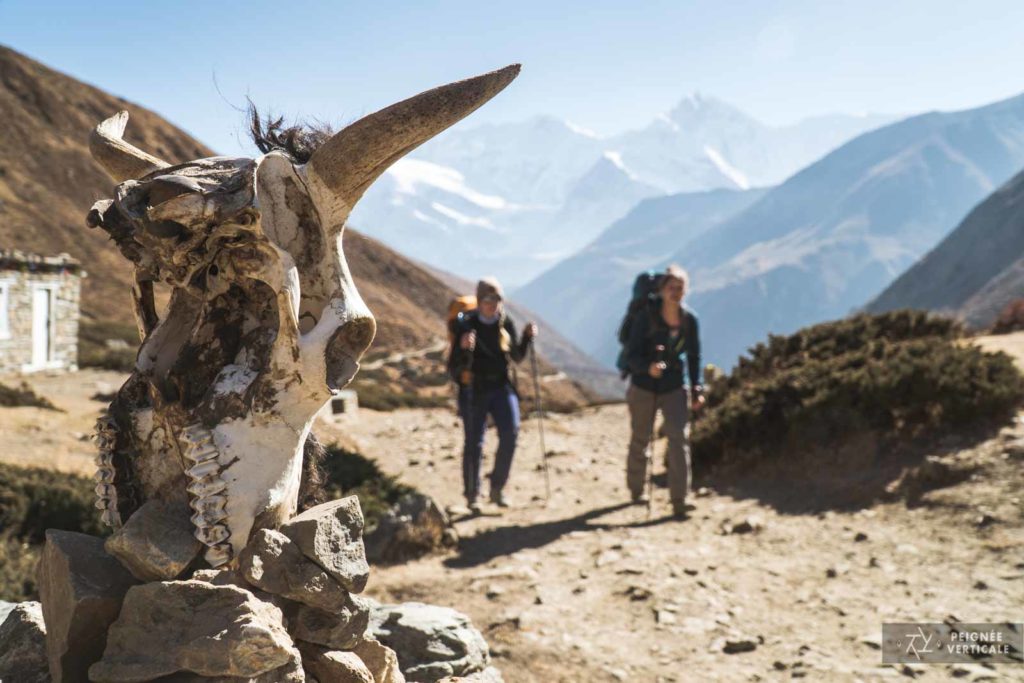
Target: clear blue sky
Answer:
pixel 608 66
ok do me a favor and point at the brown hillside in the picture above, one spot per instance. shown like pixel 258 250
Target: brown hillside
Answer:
pixel 48 179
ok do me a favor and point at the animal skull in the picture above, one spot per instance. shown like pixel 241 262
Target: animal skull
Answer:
pixel 264 322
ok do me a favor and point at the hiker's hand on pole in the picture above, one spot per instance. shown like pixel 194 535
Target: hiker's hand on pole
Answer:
pixel 696 399
pixel 468 341
pixel 530 332
pixel 656 369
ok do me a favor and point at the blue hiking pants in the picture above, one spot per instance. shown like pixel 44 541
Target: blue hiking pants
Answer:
pixel 502 404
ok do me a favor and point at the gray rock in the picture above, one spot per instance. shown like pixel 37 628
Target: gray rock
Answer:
pixel 273 563
pixel 338 630
pixel 5 609
pixel 488 675
pixel 335 666
pixel 23 645
pixel 194 626
pixel 415 526
pixel 156 543
pixel 290 673
pixel 734 646
pixel 331 535
pixel 380 660
pixel 432 642
pixel 81 588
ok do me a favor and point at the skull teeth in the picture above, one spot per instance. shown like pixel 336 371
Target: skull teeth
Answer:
pixel 200 488
pixel 213 535
pixel 106 493
pixel 200 456
pixel 207 489
pixel 218 555
pixel 204 470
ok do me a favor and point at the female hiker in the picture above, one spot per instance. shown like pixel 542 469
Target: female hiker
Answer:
pixel 488 347
pixel 659 339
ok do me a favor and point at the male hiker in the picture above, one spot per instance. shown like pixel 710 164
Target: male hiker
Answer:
pixel 484 350
pixel 661 334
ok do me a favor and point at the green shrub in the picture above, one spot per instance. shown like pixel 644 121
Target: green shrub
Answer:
pixel 379 396
pixel 348 473
pixel 833 339
pixel 899 375
pixel 23 396
pixel 34 500
pixel 18 570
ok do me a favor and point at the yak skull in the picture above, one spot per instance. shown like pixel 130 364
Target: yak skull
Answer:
pixel 264 321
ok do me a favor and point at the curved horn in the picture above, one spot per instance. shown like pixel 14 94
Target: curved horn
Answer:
pixel 356 155
pixel 121 160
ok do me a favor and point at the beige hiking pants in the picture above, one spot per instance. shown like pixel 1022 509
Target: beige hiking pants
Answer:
pixel 643 407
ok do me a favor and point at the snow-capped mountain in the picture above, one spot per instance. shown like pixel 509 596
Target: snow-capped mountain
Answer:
pixel 513 199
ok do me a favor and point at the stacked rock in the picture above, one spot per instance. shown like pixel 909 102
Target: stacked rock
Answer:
pixel 286 612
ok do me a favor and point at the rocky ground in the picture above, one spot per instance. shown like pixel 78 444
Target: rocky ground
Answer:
pixel 583 587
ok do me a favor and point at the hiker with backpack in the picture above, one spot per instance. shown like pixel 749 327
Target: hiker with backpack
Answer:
pixel 484 351
pixel 659 333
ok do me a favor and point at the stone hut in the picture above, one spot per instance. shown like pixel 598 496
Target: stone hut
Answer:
pixel 39 299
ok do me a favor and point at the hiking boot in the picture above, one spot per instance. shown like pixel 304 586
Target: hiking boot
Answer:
pixel 682 510
pixel 498 498
pixel 640 499
pixel 473 505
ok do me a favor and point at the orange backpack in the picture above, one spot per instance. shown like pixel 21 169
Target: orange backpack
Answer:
pixel 456 307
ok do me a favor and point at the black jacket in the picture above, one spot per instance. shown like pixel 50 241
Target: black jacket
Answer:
pixel 648 331
pixel 488 364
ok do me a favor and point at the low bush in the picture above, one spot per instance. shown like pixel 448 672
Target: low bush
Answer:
pixel 23 396
pixel 32 501
pixel 899 375
pixel 347 473
pixel 377 395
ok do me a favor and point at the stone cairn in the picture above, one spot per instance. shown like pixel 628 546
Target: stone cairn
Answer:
pixel 140 607
pixel 132 608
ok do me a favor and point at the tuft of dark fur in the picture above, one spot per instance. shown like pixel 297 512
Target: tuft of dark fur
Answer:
pixel 311 488
pixel 298 141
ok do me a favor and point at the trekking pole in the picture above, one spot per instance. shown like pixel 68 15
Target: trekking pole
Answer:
pixel 660 352
pixel 540 423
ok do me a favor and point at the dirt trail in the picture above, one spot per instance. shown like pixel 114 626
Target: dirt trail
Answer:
pixel 589 589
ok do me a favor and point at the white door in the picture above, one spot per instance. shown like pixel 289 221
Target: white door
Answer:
pixel 41 303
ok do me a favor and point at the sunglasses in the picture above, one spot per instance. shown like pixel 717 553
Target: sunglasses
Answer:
pixel 491 299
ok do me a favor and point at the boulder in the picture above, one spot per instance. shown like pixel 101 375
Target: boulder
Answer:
pixel 432 642
pixel 415 526
pixel 273 563
pixel 5 609
pixel 156 543
pixel 23 645
pixel 335 666
pixel 290 673
pixel 380 660
pixel 81 588
pixel 338 630
pixel 331 535
pixel 194 626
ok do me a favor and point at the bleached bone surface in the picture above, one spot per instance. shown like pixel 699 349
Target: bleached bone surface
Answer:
pixel 264 322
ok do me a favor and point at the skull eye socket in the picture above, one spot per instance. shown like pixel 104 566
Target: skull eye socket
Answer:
pixel 166 229
pixel 166 188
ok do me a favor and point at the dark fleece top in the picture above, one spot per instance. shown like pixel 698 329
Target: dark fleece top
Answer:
pixel 648 331
pixel 487 362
